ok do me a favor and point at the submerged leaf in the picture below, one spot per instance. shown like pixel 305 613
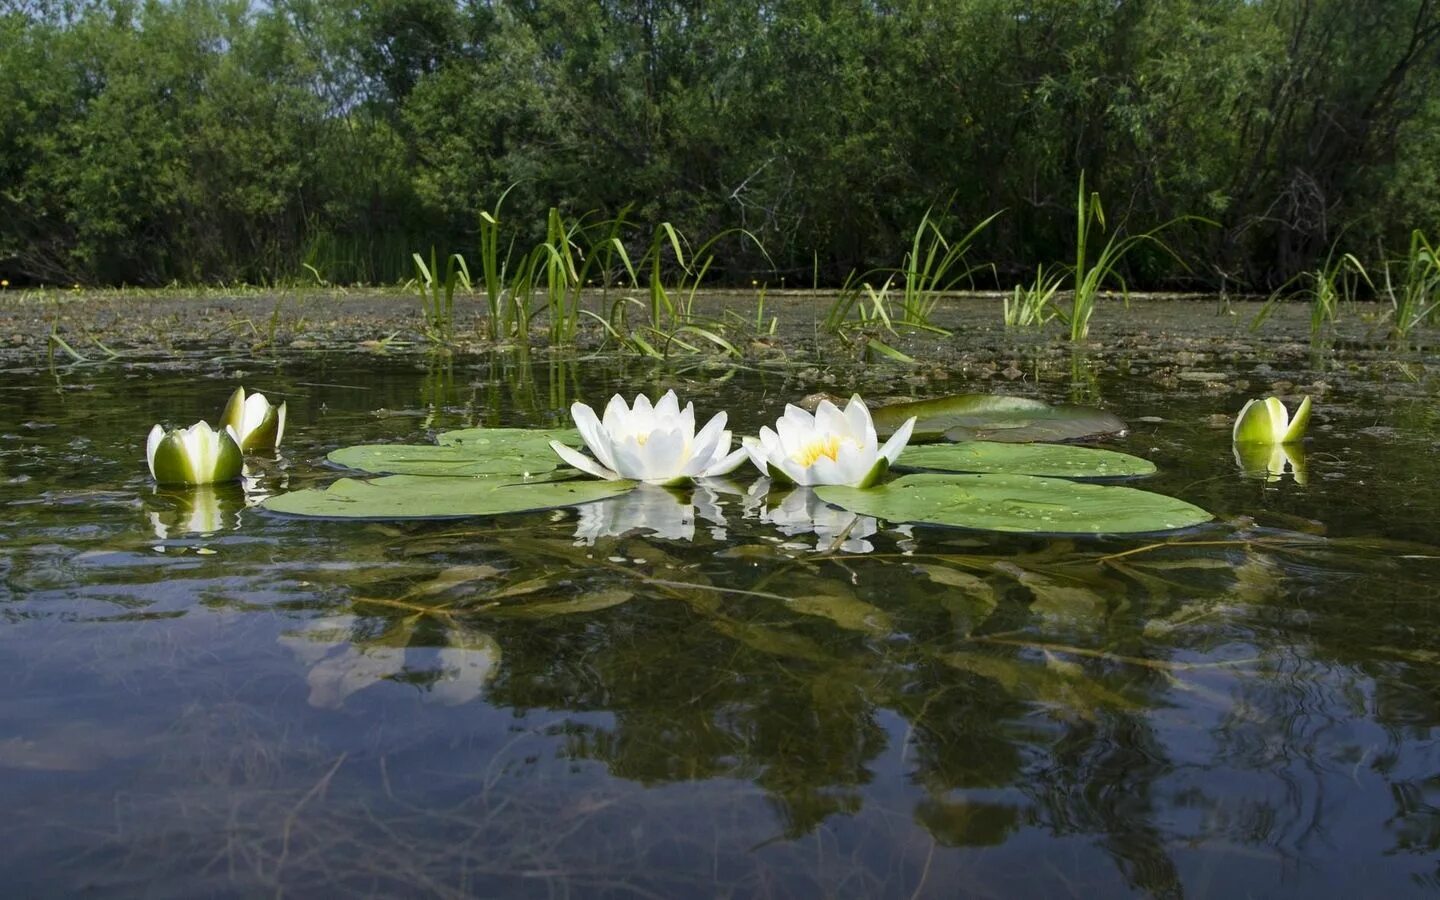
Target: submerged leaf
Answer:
pixel 1049 460
pixel 836 602
pixel 430 497
pixel 1020 503
pixel 582 603
pixel 1062 686
pixel 971 599
pixel 450 578
pixel 1061 604
pixel 772 641
pixel 989 417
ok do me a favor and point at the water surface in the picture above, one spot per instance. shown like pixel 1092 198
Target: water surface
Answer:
pixel 698 693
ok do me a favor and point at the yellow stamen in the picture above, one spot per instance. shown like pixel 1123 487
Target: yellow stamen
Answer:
pixel 829 445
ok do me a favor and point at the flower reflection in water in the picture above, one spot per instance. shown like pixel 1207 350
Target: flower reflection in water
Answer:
pixel 654 510
pixel 800 512
pixel 200 510
pixel 1272 461
pixel 174 511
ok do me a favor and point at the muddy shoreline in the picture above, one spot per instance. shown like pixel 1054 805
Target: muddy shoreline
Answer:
pixel 99 323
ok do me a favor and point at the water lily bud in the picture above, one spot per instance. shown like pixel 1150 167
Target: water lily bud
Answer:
pixel 195 455
pixel 829 447
pixel 1267 422
pixel 653 443
pixel 258 424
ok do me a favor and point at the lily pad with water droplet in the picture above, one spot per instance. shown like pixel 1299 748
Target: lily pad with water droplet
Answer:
pixel 1047 460
pixel 1018 503
pixel 431 497
pixel 990 417
pixel 473 451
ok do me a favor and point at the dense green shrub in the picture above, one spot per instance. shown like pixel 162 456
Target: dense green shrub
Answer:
pixel 219 140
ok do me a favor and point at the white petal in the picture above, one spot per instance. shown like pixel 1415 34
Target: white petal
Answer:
pixel 280 423
pixel 852 463
pixel 256 406
pixel 594 434
pixel 769 441
pixel 582 462
pixel 794 471
pixel 857 417
pixel 799 416
pixel 756 451
pixel 664 456
pixel 722 448
pixel 703 449
pixel 727 465
pixel 1279 420
pixel 830 420
pixel 898 440
pixel 629 462
pixel 791 436
pixel 617 415
pixel 157 434
pixel 828 471
pixel 668 407
pixel 198 441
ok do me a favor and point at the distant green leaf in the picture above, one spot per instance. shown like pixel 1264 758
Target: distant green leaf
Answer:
pixel 1019 503
pixel 1049 460
pixel 989 417
pixel 431 497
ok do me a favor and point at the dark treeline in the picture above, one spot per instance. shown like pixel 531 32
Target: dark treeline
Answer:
pixel 227 140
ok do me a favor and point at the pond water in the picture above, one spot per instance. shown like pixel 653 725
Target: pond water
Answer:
pixel 694 694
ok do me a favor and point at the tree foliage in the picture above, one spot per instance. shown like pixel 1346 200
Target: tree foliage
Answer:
pixel 218 140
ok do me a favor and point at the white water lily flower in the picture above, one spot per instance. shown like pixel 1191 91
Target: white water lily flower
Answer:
pixel 195 455
pixel 259 424
pixel 1267 422
pixel 830 447
pixel 654 443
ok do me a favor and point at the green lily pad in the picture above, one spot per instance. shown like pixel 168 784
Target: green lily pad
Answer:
pixel 503 439
pixel 426 459
pixel 989 417
pixel 472 451
pixel 1049 460
pixel 431 497
pixel 1018 503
